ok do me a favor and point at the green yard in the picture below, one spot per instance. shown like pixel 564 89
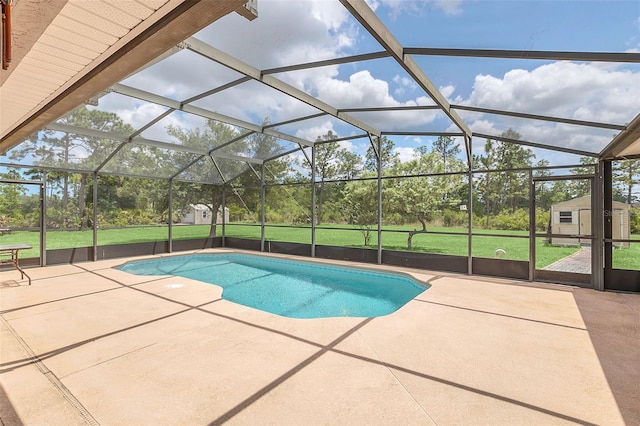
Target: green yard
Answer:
pixel 343 235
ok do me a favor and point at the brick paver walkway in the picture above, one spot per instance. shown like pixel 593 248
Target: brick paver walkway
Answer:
pixel 579 262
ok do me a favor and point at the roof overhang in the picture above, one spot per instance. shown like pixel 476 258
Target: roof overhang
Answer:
pixel 626 144
pixel 53 94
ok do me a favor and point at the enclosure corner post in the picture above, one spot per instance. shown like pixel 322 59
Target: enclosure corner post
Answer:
pixel 170 219
pixel 379 161
pixel 601 205
pixel 532 227
pixel 470 208
pixel 224 211
pixel 262 208
pixel 95 216
pixel 313 201
pixel 43 220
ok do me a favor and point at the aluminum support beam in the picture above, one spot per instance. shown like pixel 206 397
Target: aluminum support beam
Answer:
pixel 537 145
pixel 296 120
pixel 211 151
pixel 378 147
pixel 161 100
pixel 176 147
pixel 262 207
pixel 229 61
pixel 217 90
pixel 95 216
pixel 396 108
pixel 368 19
pixel 607 171
pixel 597 229
pixel 224 214
pixel 170 221
pixel 59 127
pixel 284 136
pixel 313 201
pixel 454 134
pixel 540 117
pixel 470 210
pixel 468 152
pixel 329 62
pixel 176 105
pixel 43 221
pixel 527 54
pixel 532 227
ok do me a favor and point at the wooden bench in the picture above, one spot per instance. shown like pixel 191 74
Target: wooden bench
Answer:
pixel 4 231
pixel 11 252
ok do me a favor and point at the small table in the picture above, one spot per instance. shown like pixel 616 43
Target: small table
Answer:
pixel 12 251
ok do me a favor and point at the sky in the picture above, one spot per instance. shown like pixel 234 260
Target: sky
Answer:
pixel 290 32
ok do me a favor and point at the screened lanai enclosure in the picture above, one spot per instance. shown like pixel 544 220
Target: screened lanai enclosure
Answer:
pixel 380 132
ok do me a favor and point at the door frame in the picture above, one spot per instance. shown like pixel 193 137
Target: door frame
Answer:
pixel 570 278
pixel 43 237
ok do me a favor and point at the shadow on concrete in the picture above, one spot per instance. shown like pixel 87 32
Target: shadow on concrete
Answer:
pixel 613 323
pixel 621 367
pixel 8 415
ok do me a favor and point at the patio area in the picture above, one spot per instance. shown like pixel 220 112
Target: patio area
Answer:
pixel 88 344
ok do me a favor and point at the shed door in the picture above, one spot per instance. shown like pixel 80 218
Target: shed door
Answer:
pixel 584 220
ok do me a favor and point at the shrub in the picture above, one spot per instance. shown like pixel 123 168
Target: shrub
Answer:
pixel 454 218
pixel 516 221
pixel 634 221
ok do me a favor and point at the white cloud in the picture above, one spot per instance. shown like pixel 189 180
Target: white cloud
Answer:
pixel 311 133
pixel 404 84
pixel 405 153
pixel 289 32
pixel 447 91
pixel 413 7
pixel 450 7
pixel 581 91
pixel 373 4
pixel 322 30
pixel 286 33
pixel 363 90
pixel 563 89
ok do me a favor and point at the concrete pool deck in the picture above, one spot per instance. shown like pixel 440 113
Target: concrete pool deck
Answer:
pixel 88 344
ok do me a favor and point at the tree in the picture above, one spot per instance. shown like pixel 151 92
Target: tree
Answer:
pixel 424 196
pixel 514 184
pixel 59 149
pixel 487 185
pixel 504 188
pixel 626 175
pixel 209 194
pixel 264 147
pixel 389 158
pixel 331 162
pixel 10 195
pixel 446 148
pixel 581 187
pixel 360 205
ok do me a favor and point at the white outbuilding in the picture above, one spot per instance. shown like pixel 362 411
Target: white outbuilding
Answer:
pixel 573 217
pixel 200 214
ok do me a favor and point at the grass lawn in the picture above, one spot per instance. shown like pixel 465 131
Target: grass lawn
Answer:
pixel 483 246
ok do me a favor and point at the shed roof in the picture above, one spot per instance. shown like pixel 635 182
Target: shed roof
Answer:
pixel 585 201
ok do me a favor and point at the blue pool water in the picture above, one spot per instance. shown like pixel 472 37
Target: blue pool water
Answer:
pixel 290 288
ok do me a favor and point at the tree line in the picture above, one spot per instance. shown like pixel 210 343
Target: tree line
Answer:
pixel 429 189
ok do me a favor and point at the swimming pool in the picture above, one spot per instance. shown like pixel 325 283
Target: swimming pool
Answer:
pixel 290 288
